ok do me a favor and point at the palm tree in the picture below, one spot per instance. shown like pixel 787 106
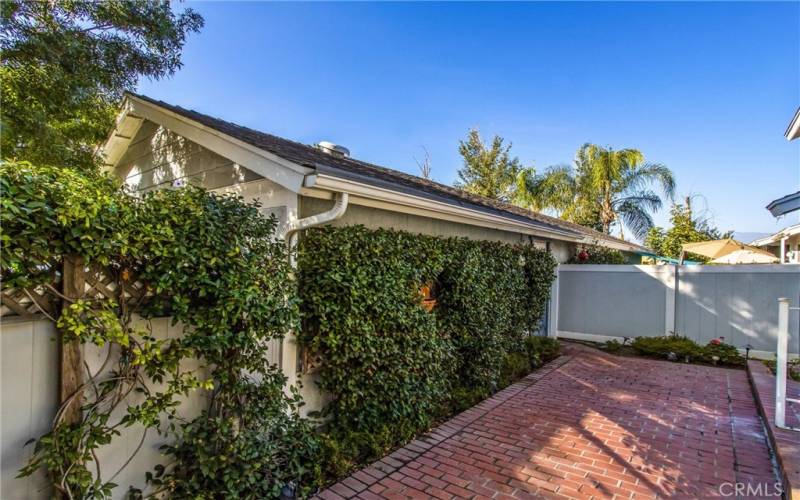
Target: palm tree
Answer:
pixel 603 188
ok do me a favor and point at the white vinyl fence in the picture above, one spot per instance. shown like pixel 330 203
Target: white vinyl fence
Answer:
pixel 604 302
pixel 29 392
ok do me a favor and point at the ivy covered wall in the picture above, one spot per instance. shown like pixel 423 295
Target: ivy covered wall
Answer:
pixel 392 361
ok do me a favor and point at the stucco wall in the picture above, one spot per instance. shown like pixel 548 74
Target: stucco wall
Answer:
pixel 375 218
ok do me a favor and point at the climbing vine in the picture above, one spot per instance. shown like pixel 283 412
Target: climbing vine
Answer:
pixel 213 265
pixel 394 362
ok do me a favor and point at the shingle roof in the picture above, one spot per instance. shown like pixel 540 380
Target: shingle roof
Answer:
pixel 310 156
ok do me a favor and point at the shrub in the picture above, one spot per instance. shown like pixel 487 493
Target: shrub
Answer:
pixel 679 348
pixel 726 353
pixel 515 366
pixel 613 346
pixel 542 349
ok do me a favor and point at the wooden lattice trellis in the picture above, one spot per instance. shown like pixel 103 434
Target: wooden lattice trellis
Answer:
pixel 27 303
pixel 43 300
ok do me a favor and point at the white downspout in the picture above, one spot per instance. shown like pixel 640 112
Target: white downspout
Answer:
pixel 288 347
pixel 293 227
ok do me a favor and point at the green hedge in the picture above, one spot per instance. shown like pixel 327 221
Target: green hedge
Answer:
pixel 392 366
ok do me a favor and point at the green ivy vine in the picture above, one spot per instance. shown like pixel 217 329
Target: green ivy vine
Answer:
pixel 213 265
pixel 391 366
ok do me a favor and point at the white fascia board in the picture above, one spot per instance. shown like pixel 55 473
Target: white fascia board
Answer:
pixel 793 131
pixel 278 170
pixel 125 128
pixel 763 242
pixel 363 194
pixel 776 238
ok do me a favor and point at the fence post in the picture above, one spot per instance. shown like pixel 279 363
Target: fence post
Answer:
pixel 552 324
pixel 780 368
pixel 70 353
pixel 669 309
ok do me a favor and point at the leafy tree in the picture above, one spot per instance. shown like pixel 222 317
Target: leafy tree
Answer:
pixel 66 64
pixel 488 170
pixel 686 228
pixel 605 187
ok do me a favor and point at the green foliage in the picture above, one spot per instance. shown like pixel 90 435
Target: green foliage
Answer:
pixel 542 349
pixel 536 351
pixel 679 348
pixel 718 352
pixel 211 263
pixel 792 368
pixel 65 65
pixel 47 212
pixel 515 365
pixel 392 366
pixel 385 360
pixel 595 254
pixel 344 451
pixel 488 170
pixel 605 187
pixel 686 228
pixel 489 295
pixel 613 346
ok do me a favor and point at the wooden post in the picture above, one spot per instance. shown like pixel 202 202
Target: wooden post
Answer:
pixel 71 372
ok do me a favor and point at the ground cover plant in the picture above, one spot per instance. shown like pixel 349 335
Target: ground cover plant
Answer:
pixel 680 349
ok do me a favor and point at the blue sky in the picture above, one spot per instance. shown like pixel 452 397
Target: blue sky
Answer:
pixel 707 89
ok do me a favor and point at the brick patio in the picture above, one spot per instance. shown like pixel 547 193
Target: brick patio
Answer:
pixel 587 425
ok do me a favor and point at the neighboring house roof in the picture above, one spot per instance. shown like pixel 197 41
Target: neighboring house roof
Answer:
pixel 352 169
pixel 790 202
pixel 793 130
pixel 776 238
pixel 785 205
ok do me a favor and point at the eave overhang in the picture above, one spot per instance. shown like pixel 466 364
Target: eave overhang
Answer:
pixel 785 205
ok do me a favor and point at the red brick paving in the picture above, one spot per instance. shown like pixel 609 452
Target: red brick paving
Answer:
pixel 785 442
pixel 588 425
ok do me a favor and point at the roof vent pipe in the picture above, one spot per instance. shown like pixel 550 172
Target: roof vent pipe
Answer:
pixel 333 149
